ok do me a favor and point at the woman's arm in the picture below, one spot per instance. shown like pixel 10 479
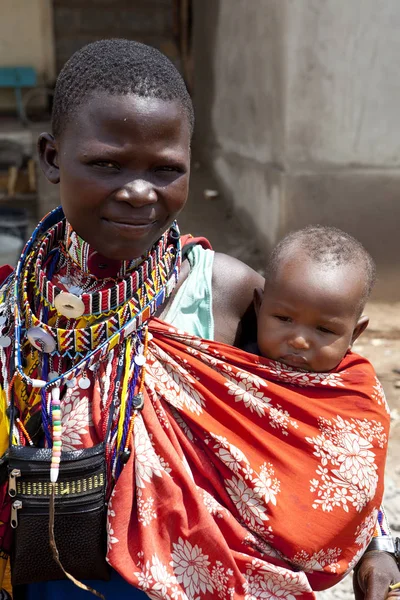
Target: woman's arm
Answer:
pixel 373 575
pixel 233 286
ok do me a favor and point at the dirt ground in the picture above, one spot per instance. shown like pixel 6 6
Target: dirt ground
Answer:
pixel 208 215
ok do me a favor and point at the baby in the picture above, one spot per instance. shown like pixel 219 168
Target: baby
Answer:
pixel 317 282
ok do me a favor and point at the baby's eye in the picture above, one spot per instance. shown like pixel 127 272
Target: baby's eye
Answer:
pixel 169 169
pixel 283 318
pixel 325 330
pixel 104 164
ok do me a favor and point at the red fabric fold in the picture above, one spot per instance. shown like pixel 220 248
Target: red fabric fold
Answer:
pixel 247 480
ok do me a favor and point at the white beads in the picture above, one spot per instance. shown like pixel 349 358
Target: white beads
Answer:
pixel 38 383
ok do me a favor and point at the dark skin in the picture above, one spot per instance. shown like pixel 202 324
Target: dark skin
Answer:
pixel 123 166
pixel 308 317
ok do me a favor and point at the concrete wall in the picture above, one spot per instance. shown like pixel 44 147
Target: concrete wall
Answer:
pixel 298 112
pixel 26 39
pixel 79 22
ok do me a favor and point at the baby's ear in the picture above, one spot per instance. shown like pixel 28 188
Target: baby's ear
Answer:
pixel 48 157
pixel 257 300
pixel 361 326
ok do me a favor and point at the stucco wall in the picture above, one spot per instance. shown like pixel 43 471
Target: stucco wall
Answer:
pixel 26 39
pixel 297 112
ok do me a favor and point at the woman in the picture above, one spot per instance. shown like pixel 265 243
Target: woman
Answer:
pixel 122 125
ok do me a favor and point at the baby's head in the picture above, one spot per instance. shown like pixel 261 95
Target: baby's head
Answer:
pixel 120 148
pixel 317 282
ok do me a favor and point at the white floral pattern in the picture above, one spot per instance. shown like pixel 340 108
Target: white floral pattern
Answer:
pixel 378 394
pixel 147 463
pixel 272 582
pixel 145 506
pixel 236 488
pixel 318 561
pixel 190 566
pixel 253 399
pixel 111 539
pixel 250 507
pixel 347 473
pixel 287 374
pixel 75 419
pixel 280 419
pixel 163 373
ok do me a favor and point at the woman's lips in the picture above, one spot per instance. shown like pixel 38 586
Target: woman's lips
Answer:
pixel 130 228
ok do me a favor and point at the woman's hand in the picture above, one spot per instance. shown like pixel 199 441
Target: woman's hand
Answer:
pixel 373 575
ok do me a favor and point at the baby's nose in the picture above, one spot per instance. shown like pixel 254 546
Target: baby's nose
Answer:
pixel 299 342
pixel 137 192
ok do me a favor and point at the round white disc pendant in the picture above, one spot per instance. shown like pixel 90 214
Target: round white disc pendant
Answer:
pixel 70 383
pixel 84 383
pixel 41 340
pixel 3 320
pixel 5 341
pixel 68 305
pixel 140 360
pixel 52 375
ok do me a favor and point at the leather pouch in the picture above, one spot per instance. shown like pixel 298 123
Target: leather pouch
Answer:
pixel 80 514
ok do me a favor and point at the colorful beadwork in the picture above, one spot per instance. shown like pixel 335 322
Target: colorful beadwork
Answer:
pixel 68 332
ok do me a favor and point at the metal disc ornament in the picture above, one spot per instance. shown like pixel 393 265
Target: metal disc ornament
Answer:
pixel 41 340
pixel 70 383
pixel 68 305
pixel 84 383
pixel 140 360
pixel 5 341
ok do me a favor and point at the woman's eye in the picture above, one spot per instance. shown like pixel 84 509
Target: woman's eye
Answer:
pixel 283 318
pixel 168 169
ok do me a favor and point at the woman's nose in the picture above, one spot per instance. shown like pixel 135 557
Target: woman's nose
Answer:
pixel 299 342
pixel 137 192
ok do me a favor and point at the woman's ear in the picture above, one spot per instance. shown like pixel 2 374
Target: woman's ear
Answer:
pixel 361 326
pixel 48 157
pixel 257 300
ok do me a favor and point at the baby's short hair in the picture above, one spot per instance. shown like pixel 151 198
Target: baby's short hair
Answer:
pixel 329 246
pixel 118 67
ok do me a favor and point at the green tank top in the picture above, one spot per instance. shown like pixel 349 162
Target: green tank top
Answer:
pixel 191 309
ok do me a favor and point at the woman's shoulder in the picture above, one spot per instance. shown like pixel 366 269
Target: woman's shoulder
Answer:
pixel 233 285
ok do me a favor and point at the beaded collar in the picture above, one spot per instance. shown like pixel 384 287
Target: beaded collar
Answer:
pixel 91 261
pixel 150 284
pixel 54 351
pixel 104 301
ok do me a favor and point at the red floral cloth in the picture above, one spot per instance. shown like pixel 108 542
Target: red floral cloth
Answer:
pixel 247 480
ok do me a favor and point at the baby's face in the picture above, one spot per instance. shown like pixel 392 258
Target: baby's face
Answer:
pixel 308 317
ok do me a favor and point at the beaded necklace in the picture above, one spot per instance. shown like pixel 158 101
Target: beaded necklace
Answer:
pixel 69 356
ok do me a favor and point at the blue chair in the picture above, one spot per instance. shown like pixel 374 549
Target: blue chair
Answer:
pixel 18 78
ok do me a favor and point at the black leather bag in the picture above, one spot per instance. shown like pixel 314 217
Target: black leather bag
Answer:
pixel 80 514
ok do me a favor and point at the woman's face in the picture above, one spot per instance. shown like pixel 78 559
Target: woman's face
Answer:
pixel 124 164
